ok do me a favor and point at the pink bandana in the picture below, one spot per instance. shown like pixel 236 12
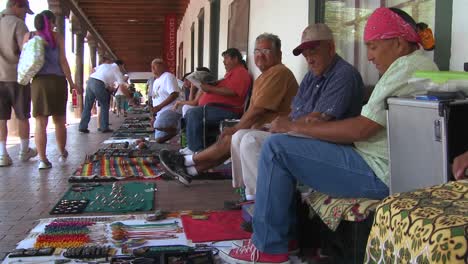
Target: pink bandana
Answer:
pixel 386 24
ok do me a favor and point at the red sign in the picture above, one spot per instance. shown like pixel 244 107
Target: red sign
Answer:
pixel 170 42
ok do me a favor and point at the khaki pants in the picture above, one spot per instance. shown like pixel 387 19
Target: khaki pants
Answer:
pixel 245 151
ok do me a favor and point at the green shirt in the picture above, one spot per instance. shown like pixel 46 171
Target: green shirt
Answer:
pixel 394 82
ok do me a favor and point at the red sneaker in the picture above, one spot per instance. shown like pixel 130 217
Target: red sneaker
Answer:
pixel 248 253
pixel 293 245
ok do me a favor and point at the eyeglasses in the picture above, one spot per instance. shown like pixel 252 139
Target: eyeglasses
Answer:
pixel 263 51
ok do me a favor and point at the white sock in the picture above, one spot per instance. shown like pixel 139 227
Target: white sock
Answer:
pixel 24 145
pixel 250 197
pixel 192 171
pixel 3 150
pixel 189 160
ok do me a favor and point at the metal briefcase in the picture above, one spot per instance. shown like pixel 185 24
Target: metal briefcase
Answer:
pixel 424 137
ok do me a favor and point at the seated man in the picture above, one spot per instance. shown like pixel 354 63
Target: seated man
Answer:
pixel 272 94
pixel 328 161
pixel 231 90
pixel 332 89
pixel 192 93
pixel 165 92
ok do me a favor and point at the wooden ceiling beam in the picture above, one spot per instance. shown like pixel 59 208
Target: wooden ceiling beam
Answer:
pixel 139 42
pixel 126 44
pixel 136 2
pixel 129 31
pixel 129 35
pixel 132 48
pixel 131 8
pixel 135 48
pixel 127 13
pixel 139 21
pixel 128 6
pixel 126 26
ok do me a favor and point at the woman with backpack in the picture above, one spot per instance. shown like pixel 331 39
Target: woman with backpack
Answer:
pixel 49 87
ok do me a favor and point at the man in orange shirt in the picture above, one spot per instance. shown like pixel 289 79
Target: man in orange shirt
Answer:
pixel 272 94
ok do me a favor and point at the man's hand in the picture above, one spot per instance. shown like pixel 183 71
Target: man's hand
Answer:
pixel 228 131
pixel 281 124
pixel 152 121
pixel 177 105
pixel 460 164
pixel 78 89
pixel 205 87
pixel 317 118
pixel 156 109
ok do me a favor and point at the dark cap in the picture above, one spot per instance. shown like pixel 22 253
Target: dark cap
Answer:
pixel 21 3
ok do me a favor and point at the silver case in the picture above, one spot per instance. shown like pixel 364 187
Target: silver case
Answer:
pixel 417 141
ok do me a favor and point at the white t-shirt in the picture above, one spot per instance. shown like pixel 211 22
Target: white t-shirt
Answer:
pixel 164 86
pixel 108 73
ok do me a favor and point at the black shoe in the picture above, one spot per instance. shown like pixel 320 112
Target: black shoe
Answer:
pixel 247 226
pixel 107 130
pixel 233 205
pixel 173 163
pixel 84 131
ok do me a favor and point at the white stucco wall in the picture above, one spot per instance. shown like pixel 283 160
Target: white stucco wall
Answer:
pixel 459 35
pixel 284 18
pixel 184 33
pixel 223 32
pixel 281 18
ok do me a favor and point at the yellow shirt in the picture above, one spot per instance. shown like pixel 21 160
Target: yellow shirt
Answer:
pixel 274 90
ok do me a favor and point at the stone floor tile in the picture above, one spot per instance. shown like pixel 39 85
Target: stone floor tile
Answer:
pixel 27 194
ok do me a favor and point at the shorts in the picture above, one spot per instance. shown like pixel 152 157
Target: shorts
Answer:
pixel 166 119
pixel 121 101
pixel 49 95
pixel 16 96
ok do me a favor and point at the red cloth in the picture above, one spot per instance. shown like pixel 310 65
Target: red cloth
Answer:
pixel 219 226
pixel 386 24
pixel 238 80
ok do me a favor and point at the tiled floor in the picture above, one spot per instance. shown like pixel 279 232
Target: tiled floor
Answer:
pixel 27 194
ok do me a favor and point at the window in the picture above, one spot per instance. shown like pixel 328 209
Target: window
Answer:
pixel 201 36
pixel 347 19
pixel 238 24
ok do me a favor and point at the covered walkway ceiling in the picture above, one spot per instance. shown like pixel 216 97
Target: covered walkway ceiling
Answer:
pixel 133 29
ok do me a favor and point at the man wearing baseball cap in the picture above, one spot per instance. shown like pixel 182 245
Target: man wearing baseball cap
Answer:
pixel 332 89
pixel 12 94
pixel 340 158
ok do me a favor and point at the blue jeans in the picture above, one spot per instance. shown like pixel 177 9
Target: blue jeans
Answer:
pixel 96 90
pixel 194 123
pixel 166 119
pixel 336 170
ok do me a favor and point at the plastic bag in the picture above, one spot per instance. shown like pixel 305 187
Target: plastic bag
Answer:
pixel 31 60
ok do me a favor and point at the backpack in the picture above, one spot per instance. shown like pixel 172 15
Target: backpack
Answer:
pixel 31 59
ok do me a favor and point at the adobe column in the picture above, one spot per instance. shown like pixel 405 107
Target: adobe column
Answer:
pixel 79 57
pixel 92 50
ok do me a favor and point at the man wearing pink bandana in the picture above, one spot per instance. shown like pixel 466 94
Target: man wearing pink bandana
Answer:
pixel 342 158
